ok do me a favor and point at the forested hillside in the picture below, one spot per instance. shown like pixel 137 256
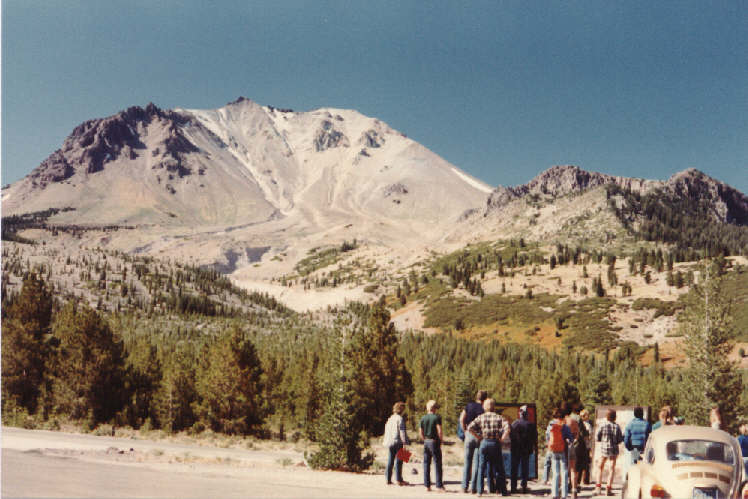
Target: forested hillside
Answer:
pixel 105 339
pixel 296 376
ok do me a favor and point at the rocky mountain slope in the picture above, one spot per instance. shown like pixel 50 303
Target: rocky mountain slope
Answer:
pixel 271 196
pixel 244 164
pixel 725 203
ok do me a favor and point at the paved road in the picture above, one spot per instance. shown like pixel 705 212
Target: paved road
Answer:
pixel 54 464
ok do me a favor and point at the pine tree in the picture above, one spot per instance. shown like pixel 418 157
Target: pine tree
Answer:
pixel 175 399
pixel 144 375
pixel 89 367
pixel 382 378
pixel 339 432
pixel 229 385
pixel 711 379
pixel 26 344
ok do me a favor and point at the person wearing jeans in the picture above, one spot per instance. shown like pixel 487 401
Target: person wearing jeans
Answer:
pixel 490 428
pixel 432 450
pixel 430 430
pixel 559 466
pixel 470 471
pixel 489 464
pixel 559 457
pixel 395 438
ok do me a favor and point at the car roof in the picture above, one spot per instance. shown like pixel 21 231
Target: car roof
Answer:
pixel 668 433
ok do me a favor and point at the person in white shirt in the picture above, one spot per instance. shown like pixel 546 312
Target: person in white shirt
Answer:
pixel 395 438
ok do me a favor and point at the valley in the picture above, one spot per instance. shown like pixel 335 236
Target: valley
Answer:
pixel 254 270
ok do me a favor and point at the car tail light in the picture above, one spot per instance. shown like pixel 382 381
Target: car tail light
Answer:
pixel 657 491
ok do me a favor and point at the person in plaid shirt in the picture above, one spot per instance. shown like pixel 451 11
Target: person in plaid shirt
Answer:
pixel 609 435
pixel 489 428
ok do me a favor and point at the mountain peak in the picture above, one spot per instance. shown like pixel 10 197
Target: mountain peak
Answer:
pixel 561 180
pixel 239 100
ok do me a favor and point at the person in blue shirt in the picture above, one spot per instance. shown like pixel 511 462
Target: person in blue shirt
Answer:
pixel 635 436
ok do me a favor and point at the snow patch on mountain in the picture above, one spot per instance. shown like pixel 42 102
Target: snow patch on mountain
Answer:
pixel 475 183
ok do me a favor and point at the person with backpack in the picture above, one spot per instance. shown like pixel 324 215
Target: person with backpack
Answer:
pixel 609 435
pixel 470 470
pixel 557 435
pixel 524 438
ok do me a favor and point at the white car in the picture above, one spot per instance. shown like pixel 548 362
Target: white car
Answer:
pixel 687 462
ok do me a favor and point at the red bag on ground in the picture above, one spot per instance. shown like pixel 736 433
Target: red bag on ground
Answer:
pixel 403 455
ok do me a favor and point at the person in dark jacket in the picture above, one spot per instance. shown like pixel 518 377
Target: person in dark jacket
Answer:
pixel 524 438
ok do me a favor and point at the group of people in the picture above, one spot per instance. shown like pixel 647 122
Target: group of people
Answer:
pixel 396 440
pixel 568 440
pixel 484 429
pixel 568 443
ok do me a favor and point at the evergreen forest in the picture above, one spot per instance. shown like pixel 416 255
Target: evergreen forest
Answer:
pixel 328 377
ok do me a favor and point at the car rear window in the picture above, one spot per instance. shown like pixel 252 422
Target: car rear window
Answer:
pixel 699 450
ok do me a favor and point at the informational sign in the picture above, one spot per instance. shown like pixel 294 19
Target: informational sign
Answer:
pixel 511 412
pixel 624 415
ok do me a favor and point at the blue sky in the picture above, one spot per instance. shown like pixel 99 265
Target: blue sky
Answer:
pixel 502 89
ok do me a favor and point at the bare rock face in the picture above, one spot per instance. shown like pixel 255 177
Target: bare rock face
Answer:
pixel 560 181
pixel 395 189
pixel 328 137
pixel 371 138
pixel 501 196
pixel 95 143
pixel 725 203
pixel 53 169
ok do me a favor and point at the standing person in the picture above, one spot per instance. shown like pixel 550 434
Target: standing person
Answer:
pixel 557 435
pixel 609 435
pixel 430 430
pixel 635 437
pixel 524 437
pixel 584 471
pixel 490 428
pixel 666 417
pixel 743 441
pixel 572 421
pixel 470 471
pixel 547 461
pixel 579 456
pixel 395 438
pixel 715 418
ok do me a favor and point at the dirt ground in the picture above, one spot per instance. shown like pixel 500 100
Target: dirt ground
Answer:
pixel 38 463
